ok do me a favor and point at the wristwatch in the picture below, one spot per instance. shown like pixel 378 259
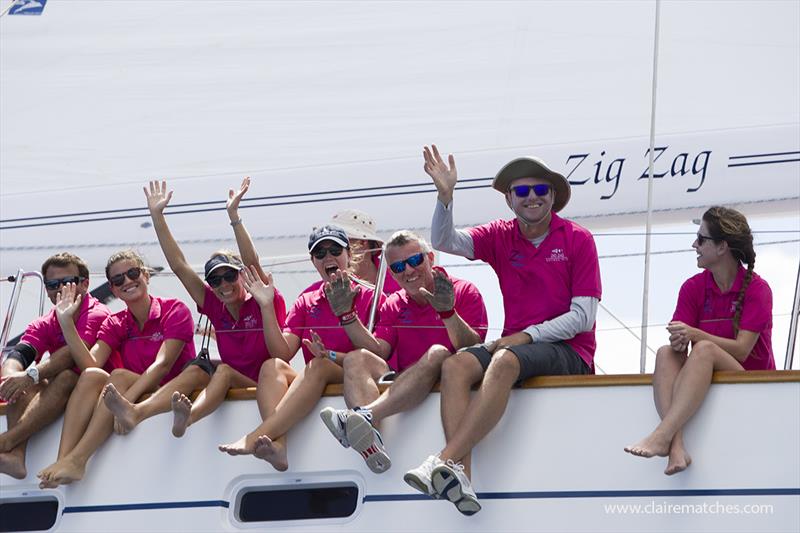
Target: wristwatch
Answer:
pixel 33 373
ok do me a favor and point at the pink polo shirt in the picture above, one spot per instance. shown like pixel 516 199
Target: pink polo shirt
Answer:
pixel 702 305
pixel 241 342
pixel 538 284
pixel 44 334
pixel 169 319
pixel 411 328
pixel 312 311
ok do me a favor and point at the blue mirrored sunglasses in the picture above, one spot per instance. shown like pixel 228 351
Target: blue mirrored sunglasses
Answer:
pixel 413 261
pixel 522 191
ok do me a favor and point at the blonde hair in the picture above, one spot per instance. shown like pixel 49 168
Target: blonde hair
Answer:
pixel 123 255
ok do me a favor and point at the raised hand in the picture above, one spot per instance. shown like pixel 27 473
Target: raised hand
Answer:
pixel 264 293
pixel 444 176
pixel 340 293
pixel 235 197
pixel 157 197
pixel 443 297
pixel 315 345
pixel 68 301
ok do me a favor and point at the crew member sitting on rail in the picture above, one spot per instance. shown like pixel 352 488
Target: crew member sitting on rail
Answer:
pixel 549 275
pixel 725 314
pixel 37 391
pixel 154 337
pixel 431 317
pixel 314 322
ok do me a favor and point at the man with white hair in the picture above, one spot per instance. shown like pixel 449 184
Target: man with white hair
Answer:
pixel 549 275
pixel 420 326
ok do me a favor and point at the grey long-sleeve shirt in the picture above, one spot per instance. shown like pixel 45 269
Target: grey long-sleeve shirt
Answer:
pixel 582 310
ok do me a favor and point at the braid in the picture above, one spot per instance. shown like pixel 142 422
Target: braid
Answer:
pixel 740 298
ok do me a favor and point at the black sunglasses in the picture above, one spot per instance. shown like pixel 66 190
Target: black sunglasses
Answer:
pixel 413 261
pixel 320 253
pixel 229 276
pixel 54 284
pixel 522 191
pixel 118 279
pixel 703 238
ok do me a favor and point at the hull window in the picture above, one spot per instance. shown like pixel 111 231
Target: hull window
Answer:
pixel 270 504
pixel 37 515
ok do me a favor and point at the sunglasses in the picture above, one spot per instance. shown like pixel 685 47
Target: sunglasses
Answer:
pixel 413 261
pixel 522 191
pixel 703 238
pixel 230 276
pixel 118 279
pixel 54 284
pixel 334 250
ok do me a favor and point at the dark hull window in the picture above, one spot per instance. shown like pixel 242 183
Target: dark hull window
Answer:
pixel 264 504
pixel 39 515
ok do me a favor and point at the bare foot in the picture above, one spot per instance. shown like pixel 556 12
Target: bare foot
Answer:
pixel 272 452
pixel 679 458
pixel 650 446
pixel 243 446
pixel 181 409
pixel 62 472
pixel 13 464
pixel 122 409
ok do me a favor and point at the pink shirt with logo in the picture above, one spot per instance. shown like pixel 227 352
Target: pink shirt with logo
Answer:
pixel 702 305
pixel 538 283
pixel 169 319
pixel 44 334
pixel 311 310
pixel 412 328
pixel 241 342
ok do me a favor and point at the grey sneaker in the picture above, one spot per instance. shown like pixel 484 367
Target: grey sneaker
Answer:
pixel 367 441
pixel 452 484
pixel 420 477
pixel 336 420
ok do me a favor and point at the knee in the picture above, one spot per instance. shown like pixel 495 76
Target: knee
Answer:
pixel 319 369
pixel 356 361
pixel 454 370
pixel 64 381
pixel 273 367
pixel 504 366
pixel 93 377
pixel 437 354
pixel 703 350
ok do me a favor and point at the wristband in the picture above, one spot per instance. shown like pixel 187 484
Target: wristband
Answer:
pixel 332 355
pixel 446 314
pixel 348 318
pixel 235 223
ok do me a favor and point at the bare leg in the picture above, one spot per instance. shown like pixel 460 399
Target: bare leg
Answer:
pixel 690 389
pixel 209 399
pixel 412 386
pixel 80 407
pixel 486 407
pixel 668 366
pixel 129 414
pixel 72 466
pixel 362 369
pixel 303 394
pixel 459 373
pixel 28 415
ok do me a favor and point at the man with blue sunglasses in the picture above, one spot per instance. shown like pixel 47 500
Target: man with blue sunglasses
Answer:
pixel 432 316
pixel 37 391
pixel 549 275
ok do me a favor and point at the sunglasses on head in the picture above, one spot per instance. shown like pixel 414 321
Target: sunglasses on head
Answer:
pixel 54 284
pixel 413 261
pixel 522 191
pixel 335 250
pixel 703 238
pixel 118 279
pixel 230 276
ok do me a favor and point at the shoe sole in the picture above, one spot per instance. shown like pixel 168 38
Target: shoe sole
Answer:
pixel 361 436
pixel 448 487
pixel 418 484
pixel 328 415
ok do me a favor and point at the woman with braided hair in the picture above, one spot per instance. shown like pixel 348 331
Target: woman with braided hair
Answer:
pixel 725 315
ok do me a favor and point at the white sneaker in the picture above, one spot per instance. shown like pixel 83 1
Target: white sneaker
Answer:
pixel 420 477
pixel 452 484
pixel 367 441
pixel 336 420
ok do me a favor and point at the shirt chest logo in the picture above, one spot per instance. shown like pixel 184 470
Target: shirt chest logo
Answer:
pixel 516 259
pixel 249 321
pixel 557 255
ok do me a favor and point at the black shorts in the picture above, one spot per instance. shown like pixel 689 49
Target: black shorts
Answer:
pixel 204 363
pixel 540 359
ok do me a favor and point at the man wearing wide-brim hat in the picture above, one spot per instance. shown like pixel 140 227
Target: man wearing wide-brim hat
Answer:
pixel 549 275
